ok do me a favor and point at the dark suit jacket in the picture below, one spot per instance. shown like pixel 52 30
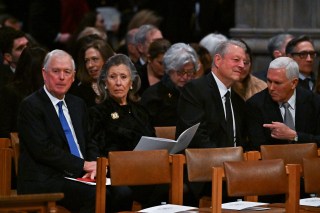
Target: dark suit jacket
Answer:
pixel 85 92
pixel 45 158
pixel 262 109
pixel 10 98
pixel 6 75
pixel 119 128
pixel 161 100
pixel 143 73
pixel 200 101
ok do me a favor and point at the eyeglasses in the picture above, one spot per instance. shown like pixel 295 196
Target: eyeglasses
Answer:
pixel 304 54
pixel 189 73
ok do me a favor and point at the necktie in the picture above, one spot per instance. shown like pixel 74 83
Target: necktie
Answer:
pixel 72 144
pixel 305 83
pixel 288 120
pixel 229 118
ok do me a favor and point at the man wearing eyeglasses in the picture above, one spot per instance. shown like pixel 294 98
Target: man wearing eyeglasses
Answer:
pixel 301 49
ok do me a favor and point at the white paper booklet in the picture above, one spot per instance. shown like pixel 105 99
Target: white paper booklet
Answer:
pixel 108 181
pixel 241 205
pixel 167 208
pixel 313 201
pixel 173 146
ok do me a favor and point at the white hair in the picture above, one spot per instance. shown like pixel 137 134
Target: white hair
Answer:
pixel 211 41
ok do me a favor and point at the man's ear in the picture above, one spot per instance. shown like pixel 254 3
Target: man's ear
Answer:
pixel 140 48
pixel 7 58
pixel 277 54
pixel 294 82
pixel 217 60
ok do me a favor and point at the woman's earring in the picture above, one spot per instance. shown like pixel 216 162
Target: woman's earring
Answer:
pixel 131 87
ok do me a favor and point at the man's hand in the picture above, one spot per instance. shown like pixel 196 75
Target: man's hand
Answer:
pixel 281 131
pixel 91 168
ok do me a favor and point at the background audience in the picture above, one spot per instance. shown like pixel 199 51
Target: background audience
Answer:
pixel 248 85
pixel 301 49
pixel 92 57
pixel 180 64
pixel 26 80
pixel 205 59
pixel 152 71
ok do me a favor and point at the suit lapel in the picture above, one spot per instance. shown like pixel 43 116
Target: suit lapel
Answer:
pixel 217 101
pixel 300 109
pixel 272 108
pixel 236 114
pixel 52 114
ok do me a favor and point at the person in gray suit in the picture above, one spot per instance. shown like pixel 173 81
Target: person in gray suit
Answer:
pixel 266 113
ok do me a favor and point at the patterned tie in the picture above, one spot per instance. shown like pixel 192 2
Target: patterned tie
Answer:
pixel 229 118
pixel 72 144
pixel 288 120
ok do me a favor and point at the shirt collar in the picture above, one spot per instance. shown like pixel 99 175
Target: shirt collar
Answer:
pixel 303 77
pixel 292 100
pixel 222 88
pixel 53 99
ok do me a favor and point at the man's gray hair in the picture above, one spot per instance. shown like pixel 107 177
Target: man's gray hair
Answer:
pixel 60 53
pixel 141 34
pixel 291 67
pixel 223 47
pixel 276 42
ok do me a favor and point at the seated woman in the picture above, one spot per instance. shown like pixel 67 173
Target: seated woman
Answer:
pixel 153 70
pixel 248 84
pixel 180 64
pixel 205 59
pixel 118 122
pixel 92 56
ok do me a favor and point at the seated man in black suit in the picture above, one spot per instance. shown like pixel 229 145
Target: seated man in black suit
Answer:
pixel 54 141
pixel 269 122
pixel 220 111
pixel 203 100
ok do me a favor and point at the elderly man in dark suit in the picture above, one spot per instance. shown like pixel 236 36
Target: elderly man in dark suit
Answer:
pixel 204 100
pixel 52 129
pixel 211 101
pixel 283 113
pixel 46 157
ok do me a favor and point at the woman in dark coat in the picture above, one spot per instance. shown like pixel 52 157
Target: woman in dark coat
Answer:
pixel 161 99
pixel 118 122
